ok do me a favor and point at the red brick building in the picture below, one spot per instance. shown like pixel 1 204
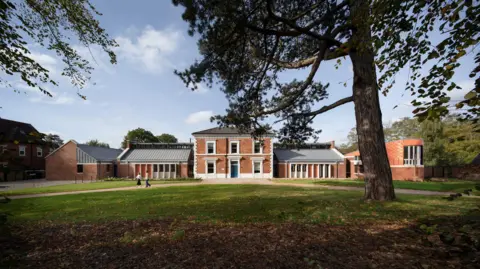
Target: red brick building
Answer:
pixel 405 158
pixel 226 153
pixel 156 160
pixel 22 151
pixel 74 161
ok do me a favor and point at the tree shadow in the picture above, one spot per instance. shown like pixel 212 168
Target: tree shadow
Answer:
pixel 434 242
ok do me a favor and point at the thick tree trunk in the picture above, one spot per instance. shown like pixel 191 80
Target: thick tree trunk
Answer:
pixel 371 141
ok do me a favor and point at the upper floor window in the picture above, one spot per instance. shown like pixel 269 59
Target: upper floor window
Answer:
pixel 413 155
pixel 234 147
pixel 210 147
pixel 21 150
pixel 39 152
pixel 357 158
pixel 257 147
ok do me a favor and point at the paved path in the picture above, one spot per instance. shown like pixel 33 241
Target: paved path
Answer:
pixel 212 182
pixel 32 183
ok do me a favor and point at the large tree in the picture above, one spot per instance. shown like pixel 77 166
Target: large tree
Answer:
pixel 58 26
pixel 53 140
pixel 246 44
pixel 97 143
pixel 139 135
pixel 167 138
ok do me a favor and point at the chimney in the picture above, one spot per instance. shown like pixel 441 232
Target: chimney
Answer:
pixel 332 144
pixel 129 144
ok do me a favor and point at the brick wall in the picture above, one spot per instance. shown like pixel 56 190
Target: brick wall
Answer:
pixel 30 161
pixel 90 172
pixel 184 170
pixel 407 173
pixel 126 170
pixel 105 170
pixel 62 164
pixel 281 170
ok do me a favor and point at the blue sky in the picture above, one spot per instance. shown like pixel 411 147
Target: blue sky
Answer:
pixel 142 91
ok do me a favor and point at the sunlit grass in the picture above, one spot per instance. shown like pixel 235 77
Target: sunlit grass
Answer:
pixel 233 203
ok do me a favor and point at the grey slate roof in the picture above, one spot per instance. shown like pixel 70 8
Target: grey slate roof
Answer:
pixel 99 153
pixel 157 155
pixel 307 155
pixel 218 130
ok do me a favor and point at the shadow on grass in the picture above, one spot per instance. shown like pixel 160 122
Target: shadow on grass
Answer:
pixel 184 244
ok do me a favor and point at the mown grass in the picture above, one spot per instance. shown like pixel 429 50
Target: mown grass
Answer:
pixel 89 186
pixel 448 186
pixel 233 204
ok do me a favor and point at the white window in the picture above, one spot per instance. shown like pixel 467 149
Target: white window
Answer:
pixel 21 150
pixel 210 167
pixel 257 147
pixel 39 152
pixel 211 147
pixel 257 167
pixel 234 147
pixel 413 155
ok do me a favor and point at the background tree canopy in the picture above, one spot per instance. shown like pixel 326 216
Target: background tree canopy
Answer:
pixel 51 24
pixel 144 136
pixel 96 143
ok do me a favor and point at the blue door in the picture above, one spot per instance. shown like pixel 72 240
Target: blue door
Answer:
pixel 234 169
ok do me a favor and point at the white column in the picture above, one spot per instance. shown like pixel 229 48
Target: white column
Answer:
pixel 323 174
pixel 329 171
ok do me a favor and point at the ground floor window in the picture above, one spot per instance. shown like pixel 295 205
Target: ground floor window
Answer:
pixel 257 167
pixel 79 168
pixel 210 168
pixel 108 168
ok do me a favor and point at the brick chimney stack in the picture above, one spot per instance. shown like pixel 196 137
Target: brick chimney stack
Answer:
pixel 332 144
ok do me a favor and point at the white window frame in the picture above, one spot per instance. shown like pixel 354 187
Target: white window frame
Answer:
pixel 214 147
pixel 253 147
pixel 230 147
pixel 261 167
pixel 39 150
pixel 214 167
pixel 3 148
pixel 20 150
pixel 413 157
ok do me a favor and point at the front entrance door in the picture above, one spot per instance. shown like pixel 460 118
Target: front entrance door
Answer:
pixel 234 169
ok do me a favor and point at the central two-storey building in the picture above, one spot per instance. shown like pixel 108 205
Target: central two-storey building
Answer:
pixel 226 153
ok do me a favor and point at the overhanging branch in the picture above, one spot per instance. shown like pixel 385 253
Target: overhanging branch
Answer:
pixel 329 107
pixel 271 13
pixel 321 110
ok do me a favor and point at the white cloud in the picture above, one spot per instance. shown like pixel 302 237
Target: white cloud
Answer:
pixel 97 58
pixel 57 99
pixel 152 49
pixel 198 117
pixel 45 60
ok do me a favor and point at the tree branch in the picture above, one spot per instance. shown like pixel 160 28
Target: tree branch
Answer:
pixel 328 13
pixel 329 107
pixel 272 32
pixel 271 13
pixel 302 89
pixel 321 110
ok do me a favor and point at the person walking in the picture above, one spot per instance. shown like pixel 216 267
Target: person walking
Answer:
pixel 139 180
pixel 147 184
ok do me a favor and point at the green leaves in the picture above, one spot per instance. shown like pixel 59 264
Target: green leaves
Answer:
pixel 470 95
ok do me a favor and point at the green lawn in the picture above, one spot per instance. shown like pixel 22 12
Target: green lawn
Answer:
pixel 233 204
pixel 89 186
pixel 449 186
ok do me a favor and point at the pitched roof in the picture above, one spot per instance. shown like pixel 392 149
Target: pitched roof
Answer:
pixel 307 155
pixel 157 155
pixel 222 131
pixel 15 131
pixel 100 153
